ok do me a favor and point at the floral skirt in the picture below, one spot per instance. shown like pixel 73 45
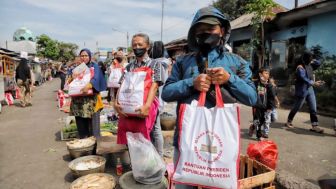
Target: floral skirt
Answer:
pixel 83 106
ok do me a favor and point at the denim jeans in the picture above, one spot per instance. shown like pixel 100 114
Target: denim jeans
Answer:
pixel 157 137
pixel 262 121
pixel 274 115
pixel 311 101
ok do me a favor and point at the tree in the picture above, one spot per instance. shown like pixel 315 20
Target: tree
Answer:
pixel 46 47
pixel 263 11
pixel 55 50
pixel 232 9
pixel 67 51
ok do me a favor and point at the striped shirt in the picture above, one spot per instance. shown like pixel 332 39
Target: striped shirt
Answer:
pixel 158 70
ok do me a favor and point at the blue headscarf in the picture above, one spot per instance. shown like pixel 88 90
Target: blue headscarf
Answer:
pixel 98 81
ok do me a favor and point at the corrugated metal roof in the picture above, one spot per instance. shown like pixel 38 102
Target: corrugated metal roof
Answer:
pixel 246 19
pixel 242 21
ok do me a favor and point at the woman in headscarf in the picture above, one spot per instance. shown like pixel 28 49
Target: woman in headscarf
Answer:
pixel 23 76
pixel 86 108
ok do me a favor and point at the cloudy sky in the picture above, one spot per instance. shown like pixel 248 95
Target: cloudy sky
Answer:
pixel 103 21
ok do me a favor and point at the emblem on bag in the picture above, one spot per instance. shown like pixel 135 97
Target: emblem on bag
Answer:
pixel 208 142
pixel 208 148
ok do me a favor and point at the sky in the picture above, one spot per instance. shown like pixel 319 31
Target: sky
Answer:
pixel 102 22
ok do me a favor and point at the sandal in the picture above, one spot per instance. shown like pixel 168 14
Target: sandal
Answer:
pixel 316 129
pixel 251 130
pixel 289 125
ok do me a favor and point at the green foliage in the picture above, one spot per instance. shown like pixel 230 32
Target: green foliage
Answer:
pixel 129 49
pixel 55 50
pixel 244 51
pixel 232 9
pixel 67 51
pixel 325 95
pixel 261 9
pixel 46 47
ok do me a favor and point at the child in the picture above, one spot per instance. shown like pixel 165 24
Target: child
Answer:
pixel 263 108
pixel 274 114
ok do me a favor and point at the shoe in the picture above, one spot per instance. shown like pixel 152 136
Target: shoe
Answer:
pixel 264 135
pixel 259 134
pixel 317 129
pixel 289 125
pixel 251 130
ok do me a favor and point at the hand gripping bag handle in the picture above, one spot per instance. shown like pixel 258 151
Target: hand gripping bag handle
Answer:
pixel 219 99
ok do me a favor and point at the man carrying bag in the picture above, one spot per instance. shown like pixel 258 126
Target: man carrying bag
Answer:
pixel 192 75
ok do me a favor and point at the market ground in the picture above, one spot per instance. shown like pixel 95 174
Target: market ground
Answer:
pixel 33 157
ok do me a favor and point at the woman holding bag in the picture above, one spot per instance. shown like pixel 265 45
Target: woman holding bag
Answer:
pixel 115 73
pixel 86 108
pixel 143 119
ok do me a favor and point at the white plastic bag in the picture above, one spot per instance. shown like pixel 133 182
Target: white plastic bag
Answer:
pixel 208 144
pixel 114 78
pixel 147 165
pixel 134 90
pixel 82 76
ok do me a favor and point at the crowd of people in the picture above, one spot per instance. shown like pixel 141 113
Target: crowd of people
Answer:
pixel 209 63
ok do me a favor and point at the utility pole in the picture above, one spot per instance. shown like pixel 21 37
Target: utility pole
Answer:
pixel 127 36
pixel 162 18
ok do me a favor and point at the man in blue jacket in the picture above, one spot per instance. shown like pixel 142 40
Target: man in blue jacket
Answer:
pixel 304 90
pixel 208 64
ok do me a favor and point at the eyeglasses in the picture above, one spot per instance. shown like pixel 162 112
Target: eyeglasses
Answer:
pixel 83 56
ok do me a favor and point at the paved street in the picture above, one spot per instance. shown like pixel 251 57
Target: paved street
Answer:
pixel 33 157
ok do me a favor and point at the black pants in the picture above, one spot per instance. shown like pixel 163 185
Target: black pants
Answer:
pixel 88 126
pixel 62 77
pixel 84 127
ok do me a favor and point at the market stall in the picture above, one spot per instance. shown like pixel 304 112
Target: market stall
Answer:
pixel 8 60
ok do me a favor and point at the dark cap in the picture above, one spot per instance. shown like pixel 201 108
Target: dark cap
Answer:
pixel 210 20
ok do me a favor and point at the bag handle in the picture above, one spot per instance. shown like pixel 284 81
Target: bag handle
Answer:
pixel 219 99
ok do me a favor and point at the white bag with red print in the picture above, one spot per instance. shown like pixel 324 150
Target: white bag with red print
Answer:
pixel 134 90
pixel 9 98
pixel 82 76
pixel 208 144
pixel 114 78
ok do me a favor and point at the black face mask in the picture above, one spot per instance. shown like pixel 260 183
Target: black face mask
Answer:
pixel 139 52
pixel 206 42
pixel 119 59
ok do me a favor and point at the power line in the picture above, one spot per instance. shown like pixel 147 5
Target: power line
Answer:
pixel 174 25
pixel 162 18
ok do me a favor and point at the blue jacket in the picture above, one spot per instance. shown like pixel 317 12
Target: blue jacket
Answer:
pixel 179 85
pixel 304 78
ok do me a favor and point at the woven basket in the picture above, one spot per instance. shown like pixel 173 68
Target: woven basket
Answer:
pixel 109 184
pixel 79 173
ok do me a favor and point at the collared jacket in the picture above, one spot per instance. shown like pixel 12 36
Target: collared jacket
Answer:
pixel 304 78
pixel 179 85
